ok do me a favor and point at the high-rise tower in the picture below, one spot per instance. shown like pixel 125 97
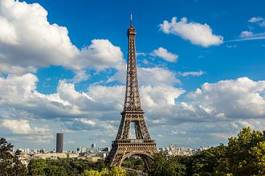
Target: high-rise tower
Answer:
pixel 59 142
pixel 124 145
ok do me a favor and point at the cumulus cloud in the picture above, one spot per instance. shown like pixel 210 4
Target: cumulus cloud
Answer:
pixel 224 98
pixel 229 99
pixel 160 95
pixel 28 41
pixel 7 32
pixel 22 127
pixel 148 76
pixel 157 76
pixel 196 33
pixel 241 98
pixel 19 92
pixel 232 103
pixel 84 124
pixel 215 111
pixel 101 54
pixel 165 54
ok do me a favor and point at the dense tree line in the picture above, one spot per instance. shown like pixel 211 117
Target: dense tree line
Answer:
pixel 59 167
pixel 244 155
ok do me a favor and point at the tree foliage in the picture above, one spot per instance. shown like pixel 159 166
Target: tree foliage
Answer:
pixel 68 166
pixel 114 171
pixel 134 162
pixel 244 155
pixel 167 166
pixel 10 165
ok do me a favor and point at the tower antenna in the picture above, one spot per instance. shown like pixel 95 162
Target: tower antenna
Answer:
pixel 131 20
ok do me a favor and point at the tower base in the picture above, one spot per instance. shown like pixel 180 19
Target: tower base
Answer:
pixel 122 149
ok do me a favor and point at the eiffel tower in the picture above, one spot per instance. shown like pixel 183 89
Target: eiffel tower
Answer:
pixel 141 145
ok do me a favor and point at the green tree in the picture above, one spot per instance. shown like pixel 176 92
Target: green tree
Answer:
pixel 259 153
pixel 243 156
pixel 10 165
pixel 117 171
pixel 245 153
pixel 134 162
pixel 91 173
pixel 54 170
pixel 167 166
pixel 206 162
pixel 19 168
pixel 6 158
pixel 36 167
pixel 114 171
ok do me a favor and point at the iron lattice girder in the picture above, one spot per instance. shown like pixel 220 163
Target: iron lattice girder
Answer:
pixel 123 146
pixel 140 126
pixel 132 97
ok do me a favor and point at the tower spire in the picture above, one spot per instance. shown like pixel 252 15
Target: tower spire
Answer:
pixel 132 97
pixel 131 19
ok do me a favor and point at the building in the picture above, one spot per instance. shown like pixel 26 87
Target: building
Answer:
pixel 59 143
pixel 174 150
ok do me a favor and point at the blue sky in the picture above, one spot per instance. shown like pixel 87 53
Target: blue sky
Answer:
pixel 62 68
pixel 87 20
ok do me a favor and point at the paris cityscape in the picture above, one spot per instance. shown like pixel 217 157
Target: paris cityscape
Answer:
pixel 132 88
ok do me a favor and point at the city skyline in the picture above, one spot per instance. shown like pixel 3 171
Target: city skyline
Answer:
pixel 62 69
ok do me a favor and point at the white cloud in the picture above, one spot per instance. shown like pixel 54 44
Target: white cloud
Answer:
pixel 101 54
pixel 257 20
pixel 216 110
pixel 96 109
pixel 225 102
pixel 28 41
pixel 19 92
pixel 249 35
pixel 157 76
pixel 165 54
pixel 93 124
pixel 241 98
pixel 246 34
pixel 7 32
pixel 192 73
pixel 196 33
pixel 159 95
pixel 80 76
pixel 148 76
pixel 22 127
pixel 255 36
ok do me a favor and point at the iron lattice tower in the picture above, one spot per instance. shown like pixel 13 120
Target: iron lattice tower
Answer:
pixel 142 144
